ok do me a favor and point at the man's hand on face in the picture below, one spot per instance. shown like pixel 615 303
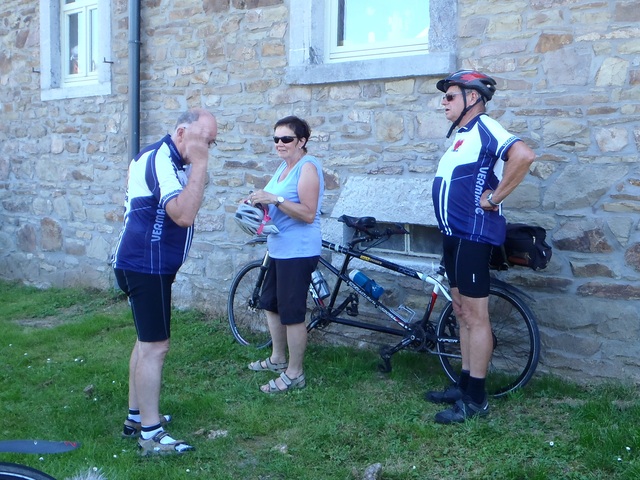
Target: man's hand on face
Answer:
pixel 196 145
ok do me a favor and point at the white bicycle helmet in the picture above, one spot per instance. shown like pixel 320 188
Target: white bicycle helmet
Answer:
pixel 254 220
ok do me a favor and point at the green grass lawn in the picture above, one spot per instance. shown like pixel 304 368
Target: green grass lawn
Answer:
pixel 63 376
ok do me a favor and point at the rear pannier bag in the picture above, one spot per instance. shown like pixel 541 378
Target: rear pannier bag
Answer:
pixel 525 245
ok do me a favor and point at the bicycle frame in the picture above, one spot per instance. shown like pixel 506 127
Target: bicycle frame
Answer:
pixel 435 279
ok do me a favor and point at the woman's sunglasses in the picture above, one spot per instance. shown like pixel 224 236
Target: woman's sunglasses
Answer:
pixel 286 139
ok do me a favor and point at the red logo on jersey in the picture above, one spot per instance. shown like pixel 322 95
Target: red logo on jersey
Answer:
pixel 457 145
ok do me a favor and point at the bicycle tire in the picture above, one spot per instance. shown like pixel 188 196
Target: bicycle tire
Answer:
pixel 516 343
pixel 247 321
pixel 14 471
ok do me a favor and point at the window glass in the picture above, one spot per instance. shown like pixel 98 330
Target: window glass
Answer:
pixel 80 41
pixel 422 240
pixel 378 28
pixel 71 53
pixel 93 39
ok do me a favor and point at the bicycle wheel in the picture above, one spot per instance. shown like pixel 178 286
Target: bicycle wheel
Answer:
pixel 14 471
pixel 246 319
pixel 516 343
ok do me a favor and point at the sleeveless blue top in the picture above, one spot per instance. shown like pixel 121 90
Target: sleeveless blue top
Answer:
pixel 297 239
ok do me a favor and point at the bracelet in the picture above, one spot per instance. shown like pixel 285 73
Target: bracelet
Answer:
pixel 491 202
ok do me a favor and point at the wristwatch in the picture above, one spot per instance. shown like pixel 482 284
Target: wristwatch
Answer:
pixel 491 202
pixel 279 200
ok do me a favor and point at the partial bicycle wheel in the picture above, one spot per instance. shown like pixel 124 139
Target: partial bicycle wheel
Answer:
pixel 246 319
pixel 14 471
pixel 516 343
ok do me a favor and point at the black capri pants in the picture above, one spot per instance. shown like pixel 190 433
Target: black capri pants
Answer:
pixel 285 288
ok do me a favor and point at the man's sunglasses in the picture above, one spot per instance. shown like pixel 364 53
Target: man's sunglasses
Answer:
pixel 450 96
pixel 286 139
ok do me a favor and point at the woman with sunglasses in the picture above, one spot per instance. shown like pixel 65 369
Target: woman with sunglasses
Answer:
pixel 294 196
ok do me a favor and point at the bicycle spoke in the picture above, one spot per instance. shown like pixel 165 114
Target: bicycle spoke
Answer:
pixel 516 343
pixel 247 320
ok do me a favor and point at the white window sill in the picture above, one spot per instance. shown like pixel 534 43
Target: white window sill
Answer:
pixel 394 67
pixel 76 92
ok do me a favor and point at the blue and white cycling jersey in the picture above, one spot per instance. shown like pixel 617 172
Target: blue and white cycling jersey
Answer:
pixel 472 164
pixel 151 242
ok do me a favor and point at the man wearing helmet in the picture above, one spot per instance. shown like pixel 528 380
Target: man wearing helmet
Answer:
pixel 483 165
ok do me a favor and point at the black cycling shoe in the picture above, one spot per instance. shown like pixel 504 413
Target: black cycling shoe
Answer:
pixel 462 410
pixel 450 395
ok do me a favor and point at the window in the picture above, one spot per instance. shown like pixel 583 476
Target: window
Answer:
pixel 75 45
pixel 79 40
pixel 349 40
pixel 360 29
pixel 422 240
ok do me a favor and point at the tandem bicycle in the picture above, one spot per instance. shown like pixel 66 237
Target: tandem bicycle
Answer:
pixel 516 340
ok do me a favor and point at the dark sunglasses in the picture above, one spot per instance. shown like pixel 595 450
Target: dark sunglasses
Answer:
pixel 286 139
pixel 450 96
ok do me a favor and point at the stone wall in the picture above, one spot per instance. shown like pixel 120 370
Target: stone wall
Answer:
pixel 569 84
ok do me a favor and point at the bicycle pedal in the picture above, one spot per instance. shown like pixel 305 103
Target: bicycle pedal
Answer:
pixel 352 311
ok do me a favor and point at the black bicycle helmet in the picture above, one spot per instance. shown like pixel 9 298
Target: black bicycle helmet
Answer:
pixel 470 79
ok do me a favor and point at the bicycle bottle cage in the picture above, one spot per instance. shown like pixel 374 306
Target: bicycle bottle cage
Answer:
pixel 366 229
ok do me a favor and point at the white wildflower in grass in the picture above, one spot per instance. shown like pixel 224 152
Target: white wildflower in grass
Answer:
pixel 551 444
pixel 628 449
pixel 91 474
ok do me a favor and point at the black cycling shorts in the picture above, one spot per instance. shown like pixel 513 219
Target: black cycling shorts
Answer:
pixel 285 288
pixel 150 300
pixel 467 266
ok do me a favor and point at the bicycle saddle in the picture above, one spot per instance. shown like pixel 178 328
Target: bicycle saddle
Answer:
pixel 359 223
pixel 369 226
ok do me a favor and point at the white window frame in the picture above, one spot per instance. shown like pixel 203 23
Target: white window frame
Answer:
pixel 309 62
pixel 86 10
pixel 55 84
pixel 378 49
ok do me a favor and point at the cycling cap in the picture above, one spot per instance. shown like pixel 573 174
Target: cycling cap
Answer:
pixel 254 220
pixel 471 79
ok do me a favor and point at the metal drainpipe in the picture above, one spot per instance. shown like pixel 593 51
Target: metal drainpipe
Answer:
pixel 134 78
